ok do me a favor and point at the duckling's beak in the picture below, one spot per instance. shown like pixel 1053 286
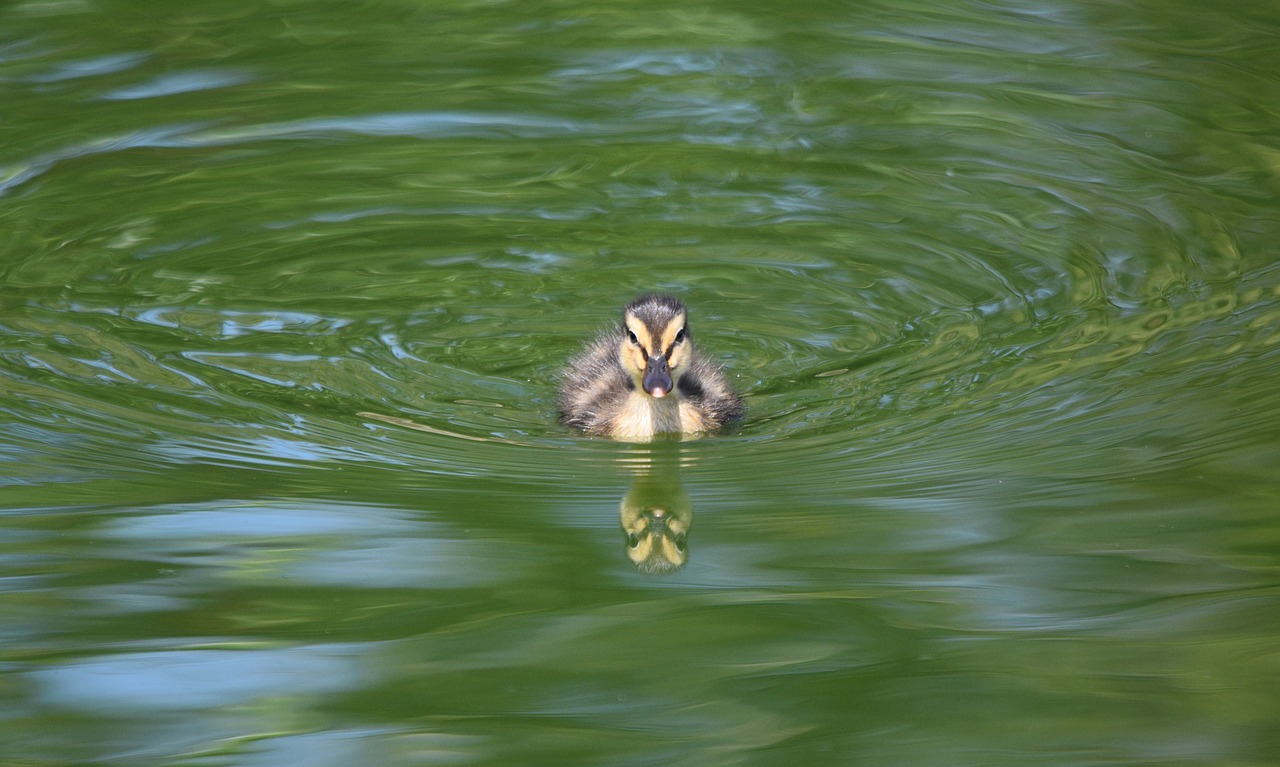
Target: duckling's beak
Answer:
pixel 657 377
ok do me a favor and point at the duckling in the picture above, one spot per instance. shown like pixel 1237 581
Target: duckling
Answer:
pixel 645 378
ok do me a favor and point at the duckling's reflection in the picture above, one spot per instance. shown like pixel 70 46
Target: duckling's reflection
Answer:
pixel 656 512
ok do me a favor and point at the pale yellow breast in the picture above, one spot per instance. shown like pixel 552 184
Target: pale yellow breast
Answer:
pixel 642 417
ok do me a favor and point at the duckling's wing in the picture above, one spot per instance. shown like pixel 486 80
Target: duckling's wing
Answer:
pixel 595 387
pixel 707 388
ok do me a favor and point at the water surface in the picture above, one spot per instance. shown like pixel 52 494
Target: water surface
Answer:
pixel 285 291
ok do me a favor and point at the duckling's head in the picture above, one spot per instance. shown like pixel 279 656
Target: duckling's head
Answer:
pixel 655 343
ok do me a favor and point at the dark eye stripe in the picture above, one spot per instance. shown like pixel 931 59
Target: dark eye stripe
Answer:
pixel 680 336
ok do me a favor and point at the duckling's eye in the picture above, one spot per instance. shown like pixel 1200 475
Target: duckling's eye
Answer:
pixel 633 541
pixel 631 336
pixel 679 337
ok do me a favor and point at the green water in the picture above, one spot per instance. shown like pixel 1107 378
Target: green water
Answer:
pixel 285 289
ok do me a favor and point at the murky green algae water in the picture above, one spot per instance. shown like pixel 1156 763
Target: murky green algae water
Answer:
pixel 285 289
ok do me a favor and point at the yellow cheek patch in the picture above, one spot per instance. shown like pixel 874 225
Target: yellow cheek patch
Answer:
pixel 634 356
pixel 679 353
pixel 641 332
pixel 672 329
pixel 679 356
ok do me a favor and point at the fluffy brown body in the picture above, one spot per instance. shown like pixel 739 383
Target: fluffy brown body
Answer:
pixel 646 379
